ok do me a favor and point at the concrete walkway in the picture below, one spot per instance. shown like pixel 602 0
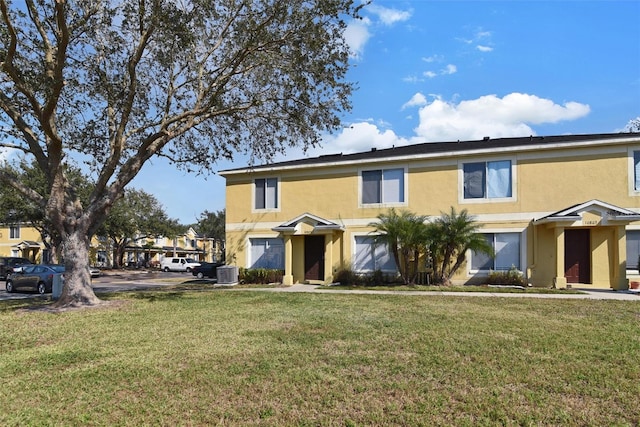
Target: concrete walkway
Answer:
pixel 600 294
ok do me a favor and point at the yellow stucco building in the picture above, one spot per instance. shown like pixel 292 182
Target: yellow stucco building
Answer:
pixel 562 209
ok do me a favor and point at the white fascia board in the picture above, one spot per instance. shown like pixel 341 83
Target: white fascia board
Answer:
pixel 446 154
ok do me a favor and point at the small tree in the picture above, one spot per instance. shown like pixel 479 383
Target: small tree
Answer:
pixel 405 234
pixel 212 225
pixel 450 236
pixel 138 215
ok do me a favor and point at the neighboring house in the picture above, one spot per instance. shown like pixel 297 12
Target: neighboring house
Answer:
pixel 150 251
pixel 21 240
pixel 561 209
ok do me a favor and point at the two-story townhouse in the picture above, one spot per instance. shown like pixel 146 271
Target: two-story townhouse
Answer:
pixel 561 209
pixel 150 251
pixel 24 240
pixel 21 240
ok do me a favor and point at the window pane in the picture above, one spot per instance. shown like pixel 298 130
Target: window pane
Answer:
pixel 363 258
pixel 636 170
pixel 271 193
pixel 507 248
pixel 474 179
pixel 266 253
pixel 371 186
pixel 482 261
pixel 371 257
pixel 260 193
pixel 393 186
pixel 383 259
pixel 633 249
pixel 499 179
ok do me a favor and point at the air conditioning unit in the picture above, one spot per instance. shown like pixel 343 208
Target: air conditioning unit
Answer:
pixel 227 275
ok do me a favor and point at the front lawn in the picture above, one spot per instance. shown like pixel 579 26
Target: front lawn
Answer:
pixel 263 358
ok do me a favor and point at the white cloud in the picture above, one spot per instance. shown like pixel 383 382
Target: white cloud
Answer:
pixel 412 79
pixel 446 71
pixel 433 58
pixel 357 34
pixel 389 16
pixel 416 100
pixel 449 69
pixel 492 116
pixel 440 121
pixel 484 48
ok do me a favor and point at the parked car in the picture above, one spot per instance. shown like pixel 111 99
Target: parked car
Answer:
pixel 95 272
pixel 206 269
pixel 7 265
pixel 178 264
pixel 34 277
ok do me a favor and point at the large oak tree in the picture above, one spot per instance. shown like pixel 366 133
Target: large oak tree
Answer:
pixel 112 83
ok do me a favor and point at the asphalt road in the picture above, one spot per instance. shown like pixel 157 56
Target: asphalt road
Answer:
pixel 118 281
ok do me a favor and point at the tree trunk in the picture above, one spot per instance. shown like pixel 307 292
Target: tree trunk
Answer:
pixel 77 290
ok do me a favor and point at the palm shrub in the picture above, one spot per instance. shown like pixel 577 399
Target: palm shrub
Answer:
pixel 405 234
pixel 450 236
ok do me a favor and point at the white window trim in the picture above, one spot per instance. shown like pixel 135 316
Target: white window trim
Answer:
pixel 247 245
pixel 353 252
pixel 514 181
pixel 19 232
pixel 631 172
pixel 253 195
pixel 405 176
pixel 523 249
pixel 632 272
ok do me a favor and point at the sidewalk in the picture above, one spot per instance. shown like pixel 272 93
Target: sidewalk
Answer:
pixel 599 294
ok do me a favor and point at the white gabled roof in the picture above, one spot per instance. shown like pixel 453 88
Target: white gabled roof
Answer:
pixel 313 220
pixel 574 213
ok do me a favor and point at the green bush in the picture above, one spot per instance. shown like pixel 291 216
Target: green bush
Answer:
pixel 348 277
pixel 260 276
pixel 509 277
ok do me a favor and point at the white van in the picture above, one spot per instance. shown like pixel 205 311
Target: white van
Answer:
pixel 178 264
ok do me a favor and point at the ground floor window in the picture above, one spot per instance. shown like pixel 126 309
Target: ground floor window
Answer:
pixel 370 256
pixel 507 253
pixel 633 249
pixel 266 253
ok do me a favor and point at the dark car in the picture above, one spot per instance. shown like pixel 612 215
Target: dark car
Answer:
pixel 8 263
pixel 34 277
pixel 206 269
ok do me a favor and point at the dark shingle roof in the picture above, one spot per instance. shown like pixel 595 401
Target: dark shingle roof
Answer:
pixel 454 147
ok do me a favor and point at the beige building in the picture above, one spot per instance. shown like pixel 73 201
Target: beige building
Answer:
pixel 561 209
pixel 22 240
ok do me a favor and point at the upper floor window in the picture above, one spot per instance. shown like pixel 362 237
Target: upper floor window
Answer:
pixel 383 186
pixel 266 193
pixel 487 180
pixel 636 170
pixel 14 232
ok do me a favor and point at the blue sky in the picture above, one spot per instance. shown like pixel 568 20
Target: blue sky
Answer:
pixel 458 70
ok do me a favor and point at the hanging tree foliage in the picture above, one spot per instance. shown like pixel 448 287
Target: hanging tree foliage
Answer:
pixel 109 84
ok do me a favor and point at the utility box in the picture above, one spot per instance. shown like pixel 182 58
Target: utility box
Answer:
pixel 56 288
pixel 227 275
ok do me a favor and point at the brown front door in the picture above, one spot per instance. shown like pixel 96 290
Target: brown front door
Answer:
pixel 314 258
pixel 577 256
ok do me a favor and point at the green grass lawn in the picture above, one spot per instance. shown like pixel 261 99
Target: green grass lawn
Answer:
pixel 262 358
